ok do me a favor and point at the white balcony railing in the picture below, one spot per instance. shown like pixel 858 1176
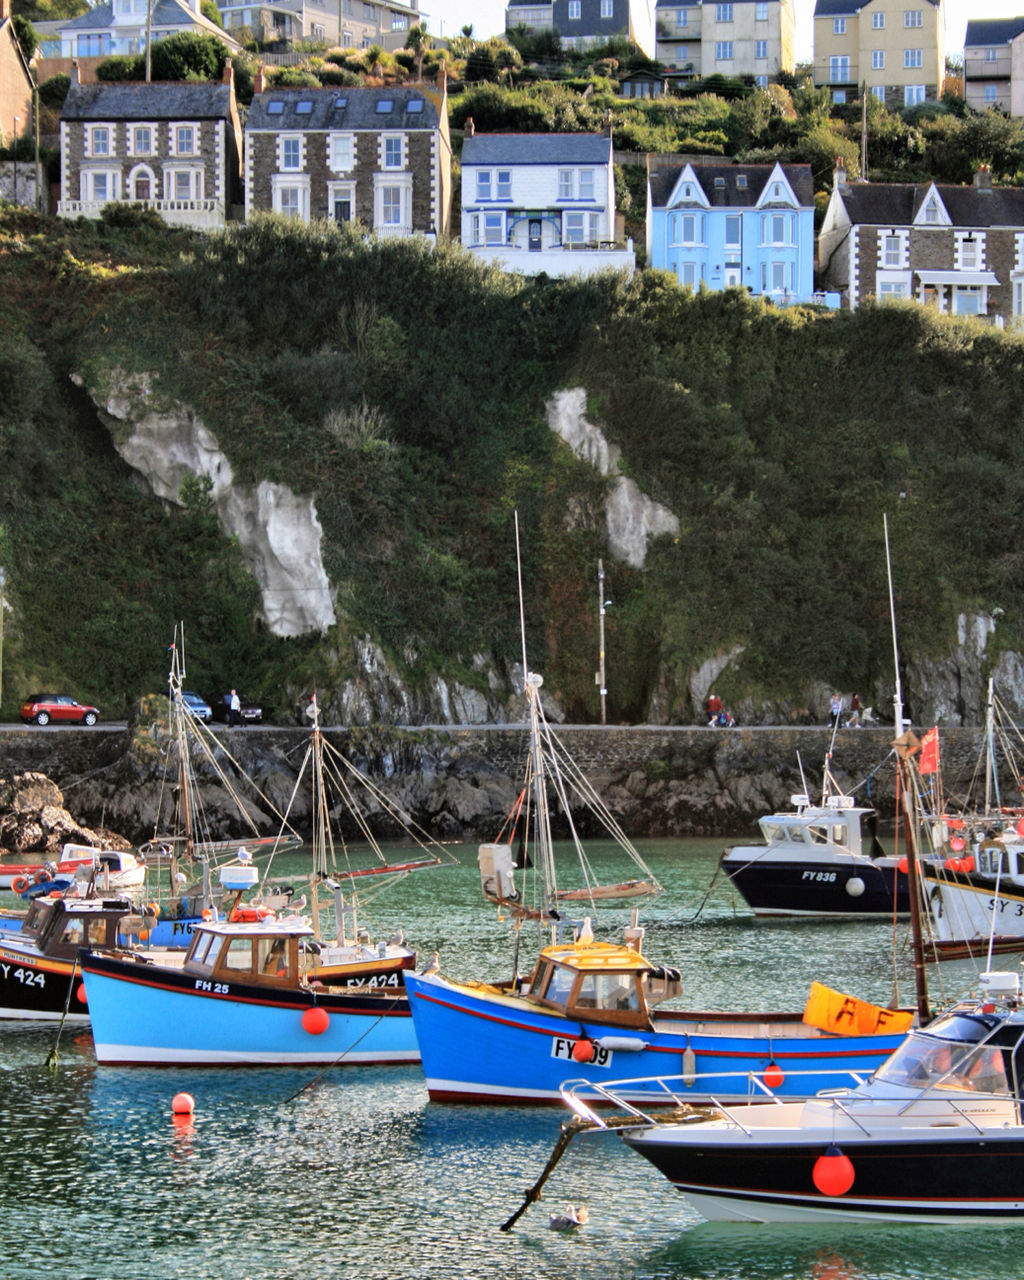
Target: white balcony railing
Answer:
pixel 559 260
pixel 204 215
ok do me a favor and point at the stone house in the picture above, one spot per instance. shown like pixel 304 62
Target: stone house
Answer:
pixel 377 156
pixel 173 147
pixel 15 81
pixel 959 249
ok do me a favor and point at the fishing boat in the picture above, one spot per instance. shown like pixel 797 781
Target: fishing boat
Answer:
pixel 593 1005
pixel 819 860
pixel 17 877
pixel 934 1135
pixel 39 972
pixel 241 998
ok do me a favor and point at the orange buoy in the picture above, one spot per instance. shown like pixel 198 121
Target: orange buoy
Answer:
pixel 316 1020
pixel 1020 826
pixel 19 884
pixel 967 864
pixel 183 1104
pixel 903 866
pixel 957 844
pixel 773 1075
pixel 583 1050
pixel 80 994
pixel 833 1172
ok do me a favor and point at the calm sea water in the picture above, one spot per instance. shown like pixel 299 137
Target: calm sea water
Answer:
pixel 352 1172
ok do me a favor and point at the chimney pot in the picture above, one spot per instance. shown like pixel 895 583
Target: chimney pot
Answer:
pixel 470 127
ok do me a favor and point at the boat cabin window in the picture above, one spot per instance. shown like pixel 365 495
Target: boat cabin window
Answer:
pixel 205 948
pixel 774 832
pixel 818 834
pixel 798 834
pixel 74 932
pixel 608 991
pixel 559 985
pixel 272 957
pixel 962 1062
pixel 994 859
pixel 237 955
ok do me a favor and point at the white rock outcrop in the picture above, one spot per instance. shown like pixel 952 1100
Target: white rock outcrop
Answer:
pixel 632 517
pixel 277 529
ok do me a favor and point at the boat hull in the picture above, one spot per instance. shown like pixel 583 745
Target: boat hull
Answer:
pixel 149 1015
pixel 969 1178
pixel 34 987
pixel 846 887
pixel 480 1045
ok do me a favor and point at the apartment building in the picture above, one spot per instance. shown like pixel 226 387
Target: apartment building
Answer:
pixel 894 48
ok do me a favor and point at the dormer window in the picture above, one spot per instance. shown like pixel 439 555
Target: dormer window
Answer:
pixel 931 211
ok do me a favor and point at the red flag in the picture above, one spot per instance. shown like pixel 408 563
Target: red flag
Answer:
pixel 929 758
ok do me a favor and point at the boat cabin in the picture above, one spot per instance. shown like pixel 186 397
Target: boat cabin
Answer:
pixel 61 925
pixel 994 857
pixel 601 981
pixel 839 824
pixel 264 952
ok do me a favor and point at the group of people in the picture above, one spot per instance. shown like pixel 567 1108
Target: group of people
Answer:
pixel 718 717
pixel 835 711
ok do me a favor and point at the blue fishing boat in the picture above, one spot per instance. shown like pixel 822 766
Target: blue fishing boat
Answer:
pixel 241 998
pixel 589 1007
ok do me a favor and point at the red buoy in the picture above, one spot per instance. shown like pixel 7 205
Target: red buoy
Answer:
pixel 957 844
pixel 833 1172
pixel 773 1075
pixel 903 865
pixel 316 1020
pixel 583 1050
pixel 183 1104
pixel 80 993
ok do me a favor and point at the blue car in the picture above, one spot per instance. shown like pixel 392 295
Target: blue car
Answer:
pixel 200 709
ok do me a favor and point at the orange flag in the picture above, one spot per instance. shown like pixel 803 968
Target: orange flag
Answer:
pixel 929 759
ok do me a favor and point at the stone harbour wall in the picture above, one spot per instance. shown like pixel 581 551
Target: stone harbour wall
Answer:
pixel 460 783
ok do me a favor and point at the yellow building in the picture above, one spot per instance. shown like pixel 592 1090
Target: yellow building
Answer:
pixel 744 37
pixel 895 48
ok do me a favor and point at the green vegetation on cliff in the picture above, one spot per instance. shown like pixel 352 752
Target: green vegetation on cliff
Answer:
pixel 405 389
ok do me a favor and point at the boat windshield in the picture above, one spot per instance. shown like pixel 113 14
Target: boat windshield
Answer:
pixel 608 991
pixel 955 1052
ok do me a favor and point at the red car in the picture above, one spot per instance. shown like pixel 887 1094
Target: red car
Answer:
pixel 41 708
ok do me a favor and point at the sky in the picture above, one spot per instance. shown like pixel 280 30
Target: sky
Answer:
pixel 448 17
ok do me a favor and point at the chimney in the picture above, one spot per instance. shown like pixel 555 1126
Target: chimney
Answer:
pixel 983 178
pixel 228 76
pixel 257 80
pixel 469 128
pixel 73 77
pixel 839 177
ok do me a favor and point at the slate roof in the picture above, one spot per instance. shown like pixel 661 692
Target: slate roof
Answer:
pixel 992 31
pixel 136 100
pixel 342 108
pixel 663 179
pixel 166 13
pixel 537 148
pixel 894 204
pixel 839 8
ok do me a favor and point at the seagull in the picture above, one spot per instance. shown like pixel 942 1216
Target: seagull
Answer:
pixel 435 965
pixel 586 932
pixel 397 940
pixel 571 1218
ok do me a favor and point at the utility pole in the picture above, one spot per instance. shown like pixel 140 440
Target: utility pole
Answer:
pixel 864 131
pixel 602 604
pixel 149 40
pixel 16 121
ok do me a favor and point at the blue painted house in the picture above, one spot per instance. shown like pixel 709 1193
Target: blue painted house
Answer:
pixel 727 225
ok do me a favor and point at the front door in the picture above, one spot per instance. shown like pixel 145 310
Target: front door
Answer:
pixel 534 235
pixel 343 209
pixel 733 276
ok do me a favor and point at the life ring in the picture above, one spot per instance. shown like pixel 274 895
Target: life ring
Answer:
pixel 250 914
pixel 20 883
pixel 42 877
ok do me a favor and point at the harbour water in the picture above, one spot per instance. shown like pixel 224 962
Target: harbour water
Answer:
pixel 353 1172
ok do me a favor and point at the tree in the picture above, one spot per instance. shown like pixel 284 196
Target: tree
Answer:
pixel 209 10
pixel 418 42
pixel 27 37
pixel 188 56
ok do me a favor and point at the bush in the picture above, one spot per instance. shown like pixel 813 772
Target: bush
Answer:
pixel 130 216
pixel 52 92
pixel 122 66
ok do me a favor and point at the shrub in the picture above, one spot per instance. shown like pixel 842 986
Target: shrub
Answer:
pixel 52 92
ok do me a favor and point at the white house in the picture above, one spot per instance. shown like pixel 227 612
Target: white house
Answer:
pixel 535 202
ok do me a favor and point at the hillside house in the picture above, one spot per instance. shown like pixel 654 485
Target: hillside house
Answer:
pixel 895 48
pixel 740 38
pixel 173 147
pixel 535 202
pixel 119 26
pixel 959 249
pixel 15 81
pixel 379 156
pixel 580 23
pixel 353 24
pixel 725 225
pixel 994 65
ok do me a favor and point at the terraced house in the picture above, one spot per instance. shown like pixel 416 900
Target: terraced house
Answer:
pixel 380 157
pixel 895 48
pixel 173 147
pixel 994 64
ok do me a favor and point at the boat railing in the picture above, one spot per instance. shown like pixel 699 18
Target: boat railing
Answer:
pixel 690 1091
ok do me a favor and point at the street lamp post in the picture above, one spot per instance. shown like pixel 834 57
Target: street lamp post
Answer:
pixel 602 605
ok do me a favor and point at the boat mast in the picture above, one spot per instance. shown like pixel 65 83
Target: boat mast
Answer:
pixel 911 827
pixel 897 699
pixel 991 780
pixel 177 680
